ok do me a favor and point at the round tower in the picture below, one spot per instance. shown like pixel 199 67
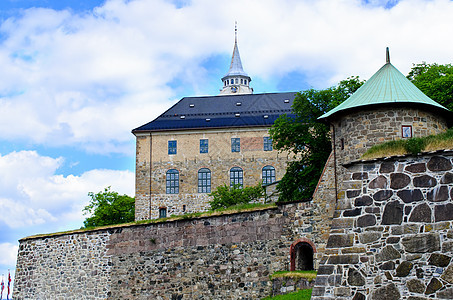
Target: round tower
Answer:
pixel 387 107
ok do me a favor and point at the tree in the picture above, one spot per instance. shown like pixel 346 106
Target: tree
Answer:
pixel 307 138
pixel 109 208
pixel 225 196
pixel 435 80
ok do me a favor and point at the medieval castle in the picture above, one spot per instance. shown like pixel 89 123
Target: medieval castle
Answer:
pixel 377 229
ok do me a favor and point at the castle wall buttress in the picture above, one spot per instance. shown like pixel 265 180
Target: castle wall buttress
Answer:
pixel 143 177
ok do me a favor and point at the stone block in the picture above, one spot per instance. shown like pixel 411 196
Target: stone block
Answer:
pixel 422 243
pixel 382 195
pixel 399 180
pixel 359 176
pixel 447 178
pixel 445 294
pixel 409 196
pixel 363 201
pixel 340 240
pixel 342 223
pixel 366 220
pixel 404 269
pixel 379 182
pixel 388 292
pixel 388 253
pixel 447 275
pixel 369 237
pixel 325 270
pixel 421 213
pixel 438 194
pixel 355 278
pixel 439 260
pixel 443 212
pixel 405 229
pixel 424 181
pixel 359 296
pixel 387 167
pixel 433 286
pixel 416 168
pixel 353 193
pixel 388 265
pixel 344 259
pixel 438 163
pixel 393 213
pixel 415 286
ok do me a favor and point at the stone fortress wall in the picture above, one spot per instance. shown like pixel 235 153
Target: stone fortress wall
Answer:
pixel 219 257
pixel 151 193
pixel 391 236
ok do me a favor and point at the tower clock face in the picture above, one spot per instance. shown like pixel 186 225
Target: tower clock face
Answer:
pixel 234 89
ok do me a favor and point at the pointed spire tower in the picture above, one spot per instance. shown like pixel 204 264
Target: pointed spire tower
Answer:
pixel 236 81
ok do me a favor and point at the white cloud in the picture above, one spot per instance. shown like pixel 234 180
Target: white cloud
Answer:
pixel 9 253
pixel 33 194
pixel 87 79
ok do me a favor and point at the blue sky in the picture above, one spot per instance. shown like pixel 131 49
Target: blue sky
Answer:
pixel 77 76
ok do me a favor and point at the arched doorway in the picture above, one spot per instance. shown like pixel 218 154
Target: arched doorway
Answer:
pixel 302 255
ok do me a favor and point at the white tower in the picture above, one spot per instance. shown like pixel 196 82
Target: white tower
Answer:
pixel 236 81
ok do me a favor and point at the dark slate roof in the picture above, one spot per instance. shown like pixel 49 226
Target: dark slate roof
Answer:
pixel 222 111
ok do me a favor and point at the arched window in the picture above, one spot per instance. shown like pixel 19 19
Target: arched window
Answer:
pixel 268 174
pixel 204 180
pixel 172 181
pixel 236 176
pixel 302 255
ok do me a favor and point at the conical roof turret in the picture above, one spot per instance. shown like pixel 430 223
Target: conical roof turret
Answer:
pixel 236 81
pixel 386 86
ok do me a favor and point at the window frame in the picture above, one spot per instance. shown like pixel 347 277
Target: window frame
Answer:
pixel 204 146
pixel 162 212
pixel 204 182
pixel 268 174
pixel 236 176
pixel 267 143
pixel 172 147
pixel 172 181
pixel 235 144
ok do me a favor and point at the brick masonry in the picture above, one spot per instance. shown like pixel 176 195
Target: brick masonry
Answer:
pixel 391 236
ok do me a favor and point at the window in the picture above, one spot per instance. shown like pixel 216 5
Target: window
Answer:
pixel 235 145
pixel 172 181
pixel 267 141
pixel 268 173
pixel 236 176
pixel 171 147
pixel 204 180
pixel 162 212
pixel 204 146
pixel 406 131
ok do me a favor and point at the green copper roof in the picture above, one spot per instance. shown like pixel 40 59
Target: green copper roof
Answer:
pixel 386 86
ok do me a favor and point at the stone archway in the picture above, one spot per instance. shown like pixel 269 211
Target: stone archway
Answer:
pixel 302 255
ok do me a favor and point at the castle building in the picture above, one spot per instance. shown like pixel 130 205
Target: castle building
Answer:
pixel 201 143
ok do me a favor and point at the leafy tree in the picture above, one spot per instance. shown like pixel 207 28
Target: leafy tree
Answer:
pixel 225 196
pixel 307 138
pixel 109 208
pixel 435 80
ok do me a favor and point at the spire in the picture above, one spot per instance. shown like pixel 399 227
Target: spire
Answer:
pixel 387 55
pixel 236 80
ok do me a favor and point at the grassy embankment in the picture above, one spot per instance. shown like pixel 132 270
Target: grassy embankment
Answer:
pixel 301 294
pixel 412 146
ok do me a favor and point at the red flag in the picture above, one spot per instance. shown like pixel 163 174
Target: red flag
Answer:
pixel 9 283
pixel 3 287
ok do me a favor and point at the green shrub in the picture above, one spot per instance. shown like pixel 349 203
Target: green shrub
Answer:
pixel 225 196
pixel 415 145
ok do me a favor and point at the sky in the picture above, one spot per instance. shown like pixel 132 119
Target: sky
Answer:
pixel 76 76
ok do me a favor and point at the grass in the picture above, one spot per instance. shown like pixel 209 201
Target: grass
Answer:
pixel 310 275
pixel 224 211
pixel 299 295
pixel 412 146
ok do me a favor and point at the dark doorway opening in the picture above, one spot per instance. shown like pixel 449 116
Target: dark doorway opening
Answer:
pixel 302 255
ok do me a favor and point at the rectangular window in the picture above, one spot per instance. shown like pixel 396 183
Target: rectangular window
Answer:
pixel 171 147
pixel 204 146
pixel 406 131
pixel 235 145
pixel 267 141
pixel 162 212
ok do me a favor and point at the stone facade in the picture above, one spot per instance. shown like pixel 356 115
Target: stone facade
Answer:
pixel 358 131
pixel 220 257
pixel 391 236
pixel 153 161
